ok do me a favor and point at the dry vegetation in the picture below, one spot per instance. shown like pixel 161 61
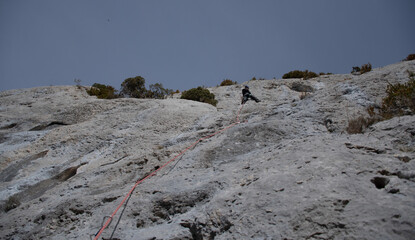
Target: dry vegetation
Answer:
pixel 399 101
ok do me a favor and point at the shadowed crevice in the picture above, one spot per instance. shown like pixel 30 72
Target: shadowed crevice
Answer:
pixel 48 126
pixel 38 189
pixel 10 172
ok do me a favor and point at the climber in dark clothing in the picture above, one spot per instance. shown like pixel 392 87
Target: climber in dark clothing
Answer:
pixel 246 94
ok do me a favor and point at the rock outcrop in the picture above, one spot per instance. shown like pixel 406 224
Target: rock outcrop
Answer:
pixel 289 170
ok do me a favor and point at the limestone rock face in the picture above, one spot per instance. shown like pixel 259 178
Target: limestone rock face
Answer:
pixel 286 170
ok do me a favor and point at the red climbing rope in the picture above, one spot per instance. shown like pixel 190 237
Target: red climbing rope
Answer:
pixel 158 169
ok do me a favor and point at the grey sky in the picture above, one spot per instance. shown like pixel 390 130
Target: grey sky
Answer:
pixel 187 43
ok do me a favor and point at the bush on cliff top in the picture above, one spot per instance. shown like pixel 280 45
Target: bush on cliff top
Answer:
pixel 410 57
pixel 363 69
pixel 134 87
pixel 300 74
pixel 200 94
pixel 102 91
pixel 227 82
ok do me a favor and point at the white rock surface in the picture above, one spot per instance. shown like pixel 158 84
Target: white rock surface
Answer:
pixel 289 170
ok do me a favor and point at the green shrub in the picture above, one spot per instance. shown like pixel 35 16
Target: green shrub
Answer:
pixel 400 99
pixel 200 94
pixel 309 75
pixel 300 74
pixel 102 91
pixel 228 82
pixel 157 91
pixel 410 57
pixel 293 74
pixel 134 87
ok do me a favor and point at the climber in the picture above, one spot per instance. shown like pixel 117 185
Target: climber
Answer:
pixel 246 94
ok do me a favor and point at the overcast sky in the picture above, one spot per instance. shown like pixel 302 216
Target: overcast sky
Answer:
pixel 188 43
